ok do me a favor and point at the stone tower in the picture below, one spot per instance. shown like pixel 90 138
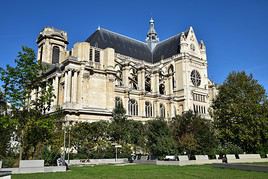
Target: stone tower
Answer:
pixel 52 45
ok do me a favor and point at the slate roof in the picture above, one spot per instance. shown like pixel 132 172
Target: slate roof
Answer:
pixel 103 38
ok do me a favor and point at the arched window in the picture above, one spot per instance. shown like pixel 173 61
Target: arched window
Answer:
pixel 132 107
pixel 91 54
pixel 119 75
pixel 162 89
pixel 55 54
pixel 148 109
pixel 97 55
pixel 171 72
pixel 162 111
pixel 147 81
pixel 118 101
pixel 133 78
pixel 161 83
pixel 41 54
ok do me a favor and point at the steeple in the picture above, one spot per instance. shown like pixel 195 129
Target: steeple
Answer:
pixel 152 38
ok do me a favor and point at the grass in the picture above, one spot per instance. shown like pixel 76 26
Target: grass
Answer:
pixel 259 163
pixel 145 171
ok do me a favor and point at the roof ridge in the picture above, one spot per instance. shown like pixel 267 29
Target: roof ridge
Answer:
pixel 170 37
pixel 123 35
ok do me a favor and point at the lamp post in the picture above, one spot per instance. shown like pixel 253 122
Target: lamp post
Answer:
pixel 69 143
pixel 64 145
pixel 116 146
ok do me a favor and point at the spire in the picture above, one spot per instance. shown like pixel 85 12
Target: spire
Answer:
pixel 152 38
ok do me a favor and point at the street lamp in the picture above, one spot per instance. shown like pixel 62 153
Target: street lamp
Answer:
pixel 66 129
pixel 116 146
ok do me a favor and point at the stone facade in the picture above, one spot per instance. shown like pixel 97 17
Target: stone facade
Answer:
pixel 90 79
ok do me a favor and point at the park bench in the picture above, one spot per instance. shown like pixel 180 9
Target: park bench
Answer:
pixel 249 156
pixel 31 163
pixel 170 157
pixel 201 157
pixel 144 157
pixel 183 157
pixel 230 156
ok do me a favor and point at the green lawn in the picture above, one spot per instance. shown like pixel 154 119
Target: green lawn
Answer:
pixel 259 163
pixel 146 171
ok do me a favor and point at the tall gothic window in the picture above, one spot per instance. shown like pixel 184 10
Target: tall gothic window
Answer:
pixel 55 54
pixel 161 83
pixel 162 89
pixel 41 54
pixel 132 107
pixel 171 72
pixel 133 78
pixel 97 55
pixel 147 82
pixel 148 109
pixel 162 111
pixel 91 54
pixel 118 101
pixel 119 75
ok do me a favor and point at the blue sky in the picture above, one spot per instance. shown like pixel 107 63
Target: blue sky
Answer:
pixel 235 31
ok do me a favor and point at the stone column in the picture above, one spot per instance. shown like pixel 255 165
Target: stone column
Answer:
pixel 80 84
pixel 172 112
pixel 56 90
pixel 65 87
pixel 152 83
pixel 156 108
pixel 141 79
pixel 125 75
pixel 141 106
pixel 74 88
pixel 69 86
pixel 125 103
pixel 170 85
pixel 157 82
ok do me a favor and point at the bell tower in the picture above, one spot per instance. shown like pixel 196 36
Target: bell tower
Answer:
pixel 152 38
pixel 52 45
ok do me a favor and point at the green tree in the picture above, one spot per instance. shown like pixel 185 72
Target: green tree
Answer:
pixel 118 126
pixel 6 131
pixel 239 112
pixel 20 83
pixel 193 133
pixel 136 135
pixel 159 138
pixel 91 139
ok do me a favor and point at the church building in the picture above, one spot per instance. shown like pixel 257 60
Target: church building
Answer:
pixel 151 79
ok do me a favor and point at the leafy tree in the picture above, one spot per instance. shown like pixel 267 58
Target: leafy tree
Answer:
pixel 20 83
pixel 136 135
pixel 188 143
pixel 240 112
pixel 159 139
pixel 193 133
pixel 6 132
pixel 91 138
pixel 118 126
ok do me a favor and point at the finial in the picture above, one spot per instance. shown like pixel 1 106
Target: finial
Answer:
pixel 151 20
pixel 152 38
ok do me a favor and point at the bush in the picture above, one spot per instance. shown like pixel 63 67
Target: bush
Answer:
pixel 10 162
pixel 50 157
pixel 228 148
